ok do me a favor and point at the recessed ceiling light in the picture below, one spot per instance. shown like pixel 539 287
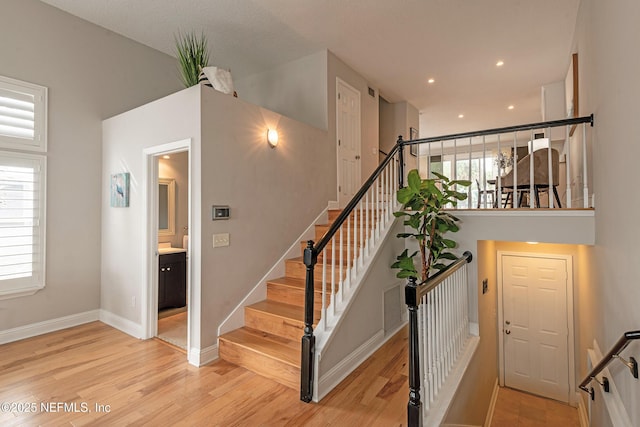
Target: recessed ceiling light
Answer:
pixel 460 116
pixel 499 63
pixel 166 156
pixel 430 81
pixel 510 107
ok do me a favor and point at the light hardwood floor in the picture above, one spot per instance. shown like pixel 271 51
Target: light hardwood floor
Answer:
pixel 518 409
pixel 150 383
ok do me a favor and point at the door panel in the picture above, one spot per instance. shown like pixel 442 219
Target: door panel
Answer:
pixel 348 144
pixel 535 325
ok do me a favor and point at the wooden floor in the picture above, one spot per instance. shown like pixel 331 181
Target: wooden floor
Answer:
pixel 519 409
pixel 106 377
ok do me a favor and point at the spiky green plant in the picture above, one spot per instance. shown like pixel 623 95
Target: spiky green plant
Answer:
pixel 193 56
pixel 423 202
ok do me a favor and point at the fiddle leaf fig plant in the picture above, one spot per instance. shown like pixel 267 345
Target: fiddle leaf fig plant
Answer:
pixel 423 203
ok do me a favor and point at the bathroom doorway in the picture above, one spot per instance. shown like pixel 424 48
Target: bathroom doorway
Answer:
pixel 167 254
pixel 173 247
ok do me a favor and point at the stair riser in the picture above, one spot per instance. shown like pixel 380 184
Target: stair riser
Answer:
pixel 299 270
pixel 330 254
pixel 344 240
pixel 333 215
pixel 292 296
pixel 280 372
pixel 273 324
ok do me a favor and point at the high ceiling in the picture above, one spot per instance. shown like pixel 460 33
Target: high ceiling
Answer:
pixel 396 44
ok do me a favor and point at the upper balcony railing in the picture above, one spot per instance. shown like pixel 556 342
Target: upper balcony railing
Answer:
pixel 535 165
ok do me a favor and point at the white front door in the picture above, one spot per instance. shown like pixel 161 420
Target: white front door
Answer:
pixel 348 141
pixel 535 325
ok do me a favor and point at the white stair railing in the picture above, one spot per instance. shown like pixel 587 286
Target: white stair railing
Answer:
pixel 481 157
pixel 438 332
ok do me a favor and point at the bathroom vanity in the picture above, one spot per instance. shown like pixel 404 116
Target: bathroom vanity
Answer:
pixel 172 279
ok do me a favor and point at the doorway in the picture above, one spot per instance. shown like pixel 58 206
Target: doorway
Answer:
pixel 348 141
pixel 173 237
pixel 168 255
pixel 535 324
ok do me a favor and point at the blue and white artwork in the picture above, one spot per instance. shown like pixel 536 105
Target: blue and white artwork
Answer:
pixel 120 190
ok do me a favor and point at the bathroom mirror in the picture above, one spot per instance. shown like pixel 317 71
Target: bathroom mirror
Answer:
pixel 166 207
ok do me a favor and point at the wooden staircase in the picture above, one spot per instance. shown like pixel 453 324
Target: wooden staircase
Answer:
pixel 269 343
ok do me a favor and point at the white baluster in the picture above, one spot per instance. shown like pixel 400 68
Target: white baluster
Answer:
pixel 567 150
pixel 354 270
pixel 342 273
pixel 549 170
pixel 333 274
pixel 585 189
pixel 362 243
pixel 470 178
pixel 431 348
pixel 498 193
pixel 531 173
pixel 324 288
pixel 514 193
pixel 349 265
pixel 484 171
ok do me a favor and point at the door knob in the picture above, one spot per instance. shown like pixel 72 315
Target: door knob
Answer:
pixel 507 322
pixel 507 331
pixel 168 268
pixel 357 157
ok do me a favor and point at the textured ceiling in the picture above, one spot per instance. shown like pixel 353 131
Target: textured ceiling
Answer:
pixel 396 44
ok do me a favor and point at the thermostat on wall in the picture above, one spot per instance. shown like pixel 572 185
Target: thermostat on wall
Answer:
pixel 220 212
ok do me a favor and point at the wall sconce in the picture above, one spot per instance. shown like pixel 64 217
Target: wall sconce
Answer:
pixel 272 137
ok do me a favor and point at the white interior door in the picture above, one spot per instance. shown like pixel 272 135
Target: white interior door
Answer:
pixel 348 135
pixel 535 325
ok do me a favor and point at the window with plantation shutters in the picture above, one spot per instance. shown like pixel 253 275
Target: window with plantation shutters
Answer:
pixel 23 124
pixel 22 237
pixel 22 187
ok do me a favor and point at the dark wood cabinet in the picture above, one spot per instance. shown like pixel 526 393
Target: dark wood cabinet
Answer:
pixel 172 281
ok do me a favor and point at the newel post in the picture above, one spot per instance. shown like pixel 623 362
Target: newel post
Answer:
pixel 401 162
pixel 414 407
pixel 308 339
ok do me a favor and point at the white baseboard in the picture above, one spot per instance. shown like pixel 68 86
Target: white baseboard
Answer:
pixel 34 329
pixel 125 325
pixel 583 414
pixel 199 357
pixel 492 404
pixel 332 378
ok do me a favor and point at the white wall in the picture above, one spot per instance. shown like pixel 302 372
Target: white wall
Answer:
pixel 91 74
pixel 172 118
pixel 606 36
pixel 274 195
pixel 177 167
pixel 297 89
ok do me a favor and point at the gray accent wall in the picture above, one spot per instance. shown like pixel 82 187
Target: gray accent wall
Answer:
pixel 91 74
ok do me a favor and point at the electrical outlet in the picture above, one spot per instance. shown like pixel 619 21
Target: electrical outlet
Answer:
pixel 485 286
pixel 220 240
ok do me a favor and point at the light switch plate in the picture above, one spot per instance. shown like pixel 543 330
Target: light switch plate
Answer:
pixel 220 240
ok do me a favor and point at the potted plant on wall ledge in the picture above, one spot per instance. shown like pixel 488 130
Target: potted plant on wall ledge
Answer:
pixel 423 203
pixel 193 56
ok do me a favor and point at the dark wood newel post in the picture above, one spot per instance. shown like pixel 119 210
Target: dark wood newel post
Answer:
pixel 308 339
pixel 414 407
pixel 401 161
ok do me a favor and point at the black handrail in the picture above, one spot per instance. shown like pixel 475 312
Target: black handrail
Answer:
pixel 614 353
pixel 413 293
pixel 310 258
pixel 312 250
pixel 541 125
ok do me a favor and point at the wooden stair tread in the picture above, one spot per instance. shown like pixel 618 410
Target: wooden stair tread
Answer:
pixel 286 311
pixel 277 348
pixel 296 283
